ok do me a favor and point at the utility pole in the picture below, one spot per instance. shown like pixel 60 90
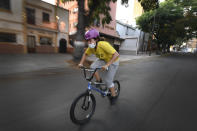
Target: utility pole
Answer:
pixel 153 28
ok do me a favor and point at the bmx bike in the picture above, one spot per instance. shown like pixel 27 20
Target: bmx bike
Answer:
pixel 83 106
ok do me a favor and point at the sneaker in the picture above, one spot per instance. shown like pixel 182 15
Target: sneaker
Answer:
pixel 113 99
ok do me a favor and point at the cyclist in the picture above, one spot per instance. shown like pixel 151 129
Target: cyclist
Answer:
pixel 107 58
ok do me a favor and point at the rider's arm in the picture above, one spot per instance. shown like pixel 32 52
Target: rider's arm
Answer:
pixel 114 57
pixel 85 54
pixel 83 59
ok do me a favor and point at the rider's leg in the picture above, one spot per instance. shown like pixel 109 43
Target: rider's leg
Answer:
pixel 98 78
pixel 113 93
pixel 113 96
pixel 109 77
pixel 97 63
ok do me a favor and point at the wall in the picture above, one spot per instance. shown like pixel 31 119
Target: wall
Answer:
pixel 73 16
pixel 110 29
pixel 41 7
pixel 12 22
pixel 125 30
pixel 43 29
pixel 63 22
pixel 14 15
pixel 137 11
pixel 135 40
pixel 129 46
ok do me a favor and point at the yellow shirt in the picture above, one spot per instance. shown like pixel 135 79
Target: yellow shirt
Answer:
pixel 104 51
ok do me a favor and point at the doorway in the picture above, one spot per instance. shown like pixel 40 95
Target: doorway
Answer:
pixel 62 46
pixel 31 44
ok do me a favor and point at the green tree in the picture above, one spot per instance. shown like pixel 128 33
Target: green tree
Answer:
pixel 98 10
pixel 190 16
pixel 149 4
pixel 168 26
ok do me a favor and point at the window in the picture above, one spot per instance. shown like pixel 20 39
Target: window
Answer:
pixel 45 17
pixel 45 41
pixel 30 16
pixel 5 4
pixel 7 37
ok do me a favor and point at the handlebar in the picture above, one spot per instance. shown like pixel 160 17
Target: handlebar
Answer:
pixel 89 70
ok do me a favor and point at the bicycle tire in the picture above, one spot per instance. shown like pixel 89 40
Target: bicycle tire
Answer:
pixel 74 118
pixel 117 87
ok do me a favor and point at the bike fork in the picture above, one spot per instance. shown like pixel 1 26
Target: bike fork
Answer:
pixel 86 105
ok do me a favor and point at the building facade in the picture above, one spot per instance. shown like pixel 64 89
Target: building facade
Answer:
pixel 12 19
pixel 38 27
pixel 128 33
pixel 41 27
pixel 72 6
pixel 135 40
pixel 63 30
pixel 137 10
pixel 73 15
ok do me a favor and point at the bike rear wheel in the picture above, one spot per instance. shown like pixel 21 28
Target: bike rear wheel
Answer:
pixel 117 87
pixel 82 108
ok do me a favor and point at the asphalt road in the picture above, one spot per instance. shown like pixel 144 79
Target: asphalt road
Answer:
pixel 157 94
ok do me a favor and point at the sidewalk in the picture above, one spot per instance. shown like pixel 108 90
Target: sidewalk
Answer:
pixel 18 63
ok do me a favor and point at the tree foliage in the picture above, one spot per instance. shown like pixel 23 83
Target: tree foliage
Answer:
pixel 190 13
pixel 175 21
pixel 149 4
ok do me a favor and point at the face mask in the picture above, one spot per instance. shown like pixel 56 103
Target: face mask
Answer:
pixel 92 45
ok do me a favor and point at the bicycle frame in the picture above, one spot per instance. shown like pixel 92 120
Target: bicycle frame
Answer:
pixel 90 87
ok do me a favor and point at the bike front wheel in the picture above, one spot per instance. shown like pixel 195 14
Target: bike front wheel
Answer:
pixel 82 108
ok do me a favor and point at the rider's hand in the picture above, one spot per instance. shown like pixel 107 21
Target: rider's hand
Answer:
pixel 105 67
pixel 80 65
